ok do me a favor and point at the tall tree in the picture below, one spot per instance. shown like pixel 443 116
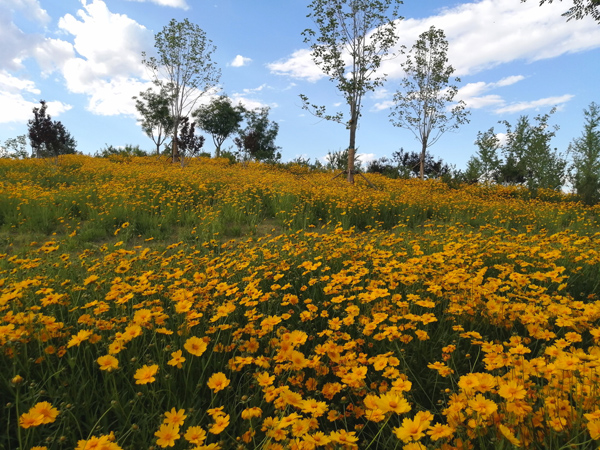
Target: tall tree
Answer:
pixel 48 137
pixel 485 165
pixel 183 68
pixel 188 142
pixel 257 139
pixel 528 156
pixel 586 157
pixel 423 104
pixel 156 120
pixel 580 9
pixel 220 119
pixel 351 39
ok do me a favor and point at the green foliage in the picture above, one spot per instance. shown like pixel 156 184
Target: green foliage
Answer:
pixel 424 104
pixel 364 32
pixel 188 143
pixel 257 140
pixel 580 9
pixel 586 157
pixel 528 158
pixel 339 161
pixel 14 148
pixel 127 151
pixel 48 137
pixel 183 69
pixel 485 165
pixel 220 119
pixel 156 119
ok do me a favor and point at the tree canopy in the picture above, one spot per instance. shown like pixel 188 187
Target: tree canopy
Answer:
pixel 183 69
pixel 156 120
pixel 220 119
pixel 424 104
pixel 580 9
pixel 48 138
pixel 351 39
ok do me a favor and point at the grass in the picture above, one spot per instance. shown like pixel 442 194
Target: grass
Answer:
pixel 225 306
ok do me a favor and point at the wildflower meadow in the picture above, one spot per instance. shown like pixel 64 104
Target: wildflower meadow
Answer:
pixel 228 306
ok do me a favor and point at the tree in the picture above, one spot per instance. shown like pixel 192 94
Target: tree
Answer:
pixel 485 165
pixel 188 143
pixel 14 148
pixel 586 157
pixel 580 9
pixel 156 119
pixel 422 105
pixel 183 69
pixel 220 119
pixel 351 40
pixel 48 137
pixel 528 157
pixel 257 139
pixel 409 164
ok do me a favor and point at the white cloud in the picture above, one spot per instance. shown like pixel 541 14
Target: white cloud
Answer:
pixel 366 158
pixel 250 103
pixel 106 65
pixel 172 3
pixel 481 35
pixel 109 44
pixel 31 8
pixel 240 61
pixel 543 102
pixel 471 93
pixel 380 106
pixel 298 65
pixel 18 97
pixel 488 33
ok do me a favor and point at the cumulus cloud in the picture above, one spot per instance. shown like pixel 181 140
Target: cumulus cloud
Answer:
pixel 481 35
pixel 240 61
pixel 472 93
pixel 298 65
pixel 535 104
pixel 20 96
pixel 107 62
pixel 172 3
pixel 32 9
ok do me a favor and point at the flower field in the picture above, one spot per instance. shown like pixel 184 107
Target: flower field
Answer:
pixel 254 307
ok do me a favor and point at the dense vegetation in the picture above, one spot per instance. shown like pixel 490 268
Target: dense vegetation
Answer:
pixel 255 306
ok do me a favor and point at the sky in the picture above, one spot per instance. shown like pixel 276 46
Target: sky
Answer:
pixel 83 57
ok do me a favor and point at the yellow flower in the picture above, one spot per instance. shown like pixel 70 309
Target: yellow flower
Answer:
pixel 90 280
pixel 392 401
pixel 175 417
pixel 167 435
pixel 77 339
pixel 512 391
pixel 482 406
pixel 45 410
pixel 28 420
pixel 145 374
pixel 217 382
pixel 108 363
pixel 176 359
pixel 412 429
pixel 221 422
pixel 195 346
pixel 440 431
pixel 594 429
pixel 195 435
pixel 249 413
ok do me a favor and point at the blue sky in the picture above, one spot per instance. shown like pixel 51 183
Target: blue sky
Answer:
pixel 84 58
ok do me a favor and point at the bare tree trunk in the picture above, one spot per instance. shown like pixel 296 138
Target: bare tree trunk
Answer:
pixel 351 149
pixel 422 160
pixel 174 149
